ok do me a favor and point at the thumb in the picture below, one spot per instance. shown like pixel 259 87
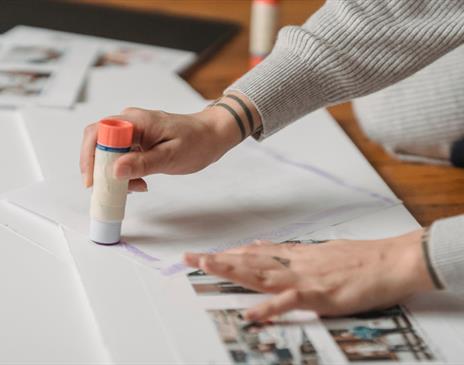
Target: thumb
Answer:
pixel 134 165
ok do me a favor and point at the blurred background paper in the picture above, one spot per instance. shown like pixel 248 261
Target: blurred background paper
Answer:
pixel 198 36
pixel 112 53
pixel 43 73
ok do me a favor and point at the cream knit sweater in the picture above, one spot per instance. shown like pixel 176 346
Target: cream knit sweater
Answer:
pixel 352 48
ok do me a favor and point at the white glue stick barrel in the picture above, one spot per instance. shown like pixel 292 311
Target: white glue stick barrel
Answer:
pixel 264 18
pixel 109 194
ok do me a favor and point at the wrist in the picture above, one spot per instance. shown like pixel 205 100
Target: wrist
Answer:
pixel 234 112
pixel 221 128
pixel 414 261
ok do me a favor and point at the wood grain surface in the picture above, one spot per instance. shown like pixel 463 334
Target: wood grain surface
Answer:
pixel 429 192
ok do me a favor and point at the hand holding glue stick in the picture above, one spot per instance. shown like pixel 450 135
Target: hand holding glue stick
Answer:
pixel 165 143
pixel 109 194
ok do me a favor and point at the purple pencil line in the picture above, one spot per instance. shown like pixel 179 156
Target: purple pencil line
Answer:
pixel 319 172
pixel 138 252
pixel 314 218
pixel 280 232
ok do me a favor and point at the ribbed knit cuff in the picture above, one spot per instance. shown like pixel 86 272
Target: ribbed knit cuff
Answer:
pixel 282 87
pixel 446 252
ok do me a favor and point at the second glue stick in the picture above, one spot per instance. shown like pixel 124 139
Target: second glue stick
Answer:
pixel 264 16
pixel 109 194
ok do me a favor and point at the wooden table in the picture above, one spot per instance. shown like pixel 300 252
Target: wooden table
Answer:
pixel 429 192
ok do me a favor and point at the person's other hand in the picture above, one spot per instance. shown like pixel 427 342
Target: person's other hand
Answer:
pixel 335 278
pixel 165 143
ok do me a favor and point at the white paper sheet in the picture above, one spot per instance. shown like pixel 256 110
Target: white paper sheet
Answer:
pixel 129 321
pixel 44 317
pixel 43 73
pixel 38 231
pixel 114 53
pixel 247 195
pixel 112 299
pixel 390 222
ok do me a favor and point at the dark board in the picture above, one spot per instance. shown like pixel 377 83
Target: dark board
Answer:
pixel 202 36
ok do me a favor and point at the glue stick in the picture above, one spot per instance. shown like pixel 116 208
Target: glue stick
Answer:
pixel 109 194
pixel 264 17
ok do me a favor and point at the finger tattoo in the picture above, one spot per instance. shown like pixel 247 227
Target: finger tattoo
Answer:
pixel 302 242
pixel 283 261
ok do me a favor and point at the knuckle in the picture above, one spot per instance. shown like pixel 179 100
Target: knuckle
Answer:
pixel 210 260
pixel 247 259
pixel 169 159
pixel 141 165
pixel 260 276
pixel 270 284
pixel 296 296
pixel 131 110
pixel 246 249
pixel 161 114
pixel 325 292
pixel 88 130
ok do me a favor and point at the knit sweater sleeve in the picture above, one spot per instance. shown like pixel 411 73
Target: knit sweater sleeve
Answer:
pixel 349 49
pixel 446 252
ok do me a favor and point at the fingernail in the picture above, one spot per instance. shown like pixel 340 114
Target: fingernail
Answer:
pixel 139 189
pixel 203 262
pixel 191 258
pixel 124 173
pixel 250 315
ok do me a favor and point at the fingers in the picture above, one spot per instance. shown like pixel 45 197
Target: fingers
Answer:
pixel 88 154
pixel 226 262
pixel 246 248
pixel 134 165
pixel 270 249
pixel 279 304
pixel 260 273
pixel 138 185
pixel 323 302
pixel 145 124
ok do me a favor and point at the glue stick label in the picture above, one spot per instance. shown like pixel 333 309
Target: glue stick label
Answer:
pixel 264 17
pixel 109 194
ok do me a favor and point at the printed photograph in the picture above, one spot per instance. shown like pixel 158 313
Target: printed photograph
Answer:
pixel 386 335
pixel 268 343
pixel 35 55
pixel 124 56
pixel 205 284
pixel 22 83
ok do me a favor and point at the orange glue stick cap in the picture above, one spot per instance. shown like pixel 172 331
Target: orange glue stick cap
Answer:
pixel 269 2
pixel 254 60
pixel 115 133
